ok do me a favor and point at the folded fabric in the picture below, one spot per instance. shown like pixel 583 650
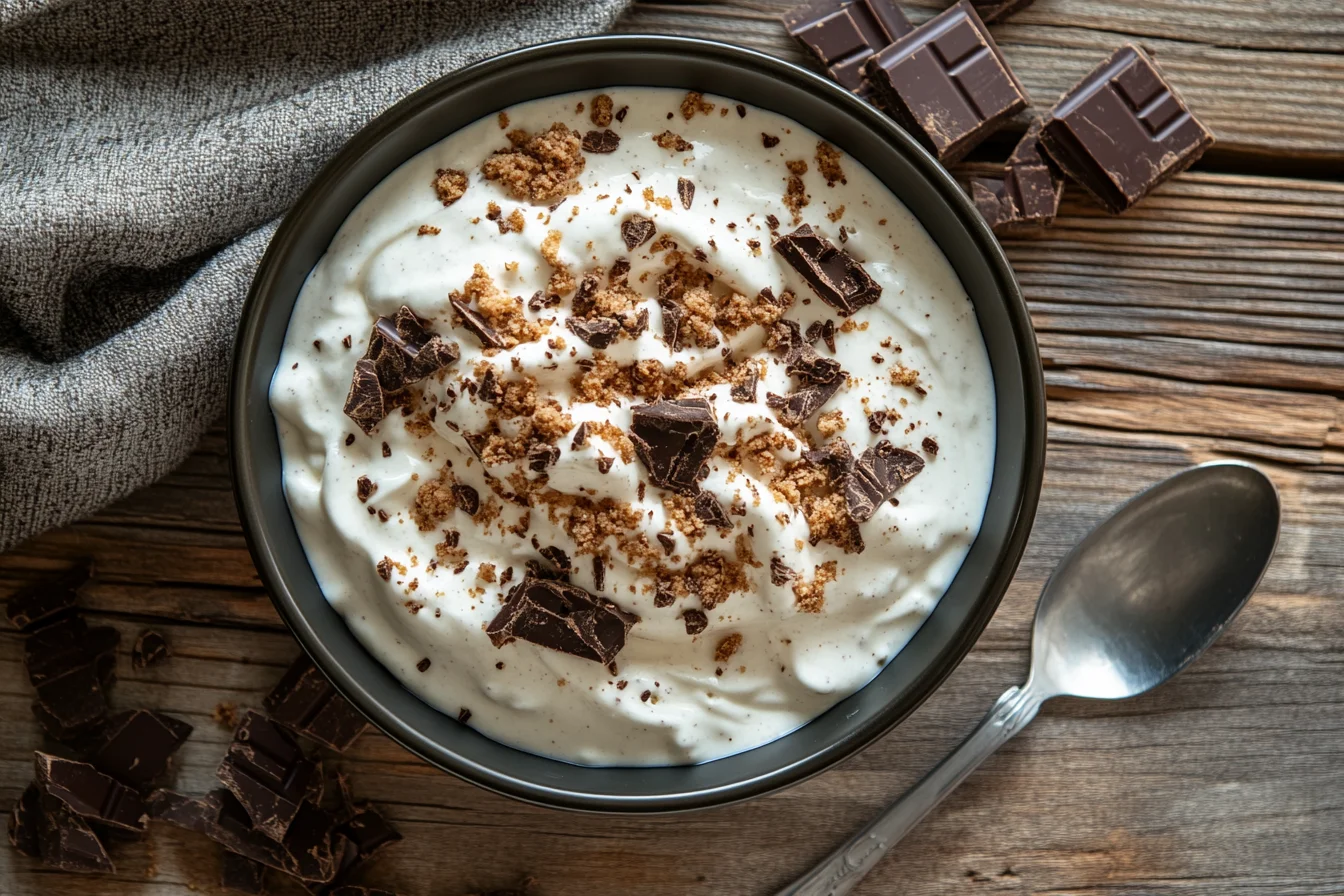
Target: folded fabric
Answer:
pixel 148 147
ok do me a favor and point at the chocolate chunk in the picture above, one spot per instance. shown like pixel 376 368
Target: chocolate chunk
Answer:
pixel 636 324
pixel 467 498
pixel 662 595
pixel 369 830
pixel 583 303
pixel 844 34
pixel 599 573
pixel 877 474
pixel 70 706
pixel 423 665
pixel 834 275
pixel 779 573
pixel 598 333
pixel 601 141
pixel 137 746
pixel 1025 197
pixel 622 112
pixel 1123 130
pixel 45 602
pixel 673 315
pixel 708 508
pixel 685 191
pixel 769 141
pixel 673 440
pixel 269 774
pixel 798 407
pixel 696 621
pixel 562 617
pixel 744 390
pixel 992 202
pixel 812 368
pixel 930 446
pixel 366 404
pixel 488 388
pixel 66 842
pixel 668 541
pixel 604 463
pixel 637 230
pixel 828 334
pixel 813 333
pixel 150 649
pixel 947 83
pixel 541 456
pixel 305 702
pixel 241 874
pixel 25 822
pixel 998 10
pixel 89 793
pixel 402 350
pixel 475 324
pixel 875 421
pixel 364 489
pixel 559 561
pixel 580 437
pixel 619 269
pixel 68 644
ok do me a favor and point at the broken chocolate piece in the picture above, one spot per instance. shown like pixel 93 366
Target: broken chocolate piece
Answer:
pixel 580 437
pixel 662 595
pixel 779 573
pixel 696 621
pixel 542 456
pixel 685 191
pixel 475 324
pixel 1123 130
pixel 559 562
pixel 599 573
pixel 467 498
pixel 402 350
pixel 70 706
pixel 668 541
pixel 138 746
pixel 369 830
pixel 601 141
pixel 634 324
pixel 844 34
pixel 366 404
pixel 798 407
pixel 562 617
pixel 604 463
pixel 89 793
pixel 598 333
pixel 813 333
pixel 834 275
pixel 877 474
pixel 66 842
pixel 68 644
pixel 997 10
pixel 828 334
pixel 637 230
pixel 45 602
pixel 947 83
pixel 673 315
pixel 150 649
pixel 930 446
pixel 241 874
pixel 744 390
pixel 25 822
pixel 306 703
pixel 708 508
pixel 673 439
pixel 488 388
pixel 269 774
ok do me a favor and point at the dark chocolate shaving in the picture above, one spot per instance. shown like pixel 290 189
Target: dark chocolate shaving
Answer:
pixel 467 498
pixel 475 324
pixel 603 141
pixel 637 230
pixel 835 276
pixel 562 617
pixel 599 573
pixel 541 456
pixel 673 439
pixel 779 573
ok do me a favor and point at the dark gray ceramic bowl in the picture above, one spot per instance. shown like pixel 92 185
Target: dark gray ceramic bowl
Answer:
pixel 588 64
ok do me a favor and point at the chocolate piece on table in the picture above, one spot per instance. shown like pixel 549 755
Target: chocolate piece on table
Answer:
pixel 269 774
pixel 998 10
pixel 476 325
pixel 1123 130
pixel 68 644
pixel 45 602
pixel 137 746
pixel 637 230
pixel 369 831
pixel 542 456
pixel 993 204
pixel 876 475
pixel 835 276
pixel 562 617
pixel 305 702
pixel 798 406
pixel 241 874
pixel 89 793
pixel 70 706
pixel 744 390
pixel 947 83
pixel 149 649
pixel 25 822
pixel 844 34
pixel 598 333
pixel 66 841
pixel 601 141
pixel 708 508
pixel 674 439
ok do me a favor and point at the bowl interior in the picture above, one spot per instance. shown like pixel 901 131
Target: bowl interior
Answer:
pixel 587 64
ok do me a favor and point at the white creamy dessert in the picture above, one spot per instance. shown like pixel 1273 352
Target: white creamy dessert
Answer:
pixel 734 600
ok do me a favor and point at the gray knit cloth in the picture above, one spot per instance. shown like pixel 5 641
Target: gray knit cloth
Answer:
pixel 146 149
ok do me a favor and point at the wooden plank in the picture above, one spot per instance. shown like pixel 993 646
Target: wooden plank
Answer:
pixel 1284 96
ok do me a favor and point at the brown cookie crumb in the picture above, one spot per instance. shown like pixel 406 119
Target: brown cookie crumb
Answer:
pixel 540 168
pixel 225 714
pixel 796 197
pixel 930 446
pixel 769 141
pixel 428 230
pixel 695 102
pixel 674 142
pixel 503 312
pixel 828 164
pixel 904 376
pixel 727 647
pixel 600 112
pixel 811 596
pixel 449 185
pixel 830 423
pixel 503 119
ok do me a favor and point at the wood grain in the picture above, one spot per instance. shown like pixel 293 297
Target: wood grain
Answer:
pixel 1207 323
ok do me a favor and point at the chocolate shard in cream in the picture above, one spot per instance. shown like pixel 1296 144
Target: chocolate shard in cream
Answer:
pixel 877 474
pixel 834 275
pixel 673 439
pixel 402 350
pixel 562 617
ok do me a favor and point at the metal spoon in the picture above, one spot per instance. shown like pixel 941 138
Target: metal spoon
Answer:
pixel 1130 606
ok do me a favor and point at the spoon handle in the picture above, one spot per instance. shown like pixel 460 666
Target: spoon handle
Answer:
pixel 842 870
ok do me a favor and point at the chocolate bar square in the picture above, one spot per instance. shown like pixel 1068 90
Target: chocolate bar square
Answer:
pixel 1123 130
pixel 947 83
pixel 844 34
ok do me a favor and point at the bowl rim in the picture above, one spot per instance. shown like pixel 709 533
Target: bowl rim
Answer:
pixel 248 480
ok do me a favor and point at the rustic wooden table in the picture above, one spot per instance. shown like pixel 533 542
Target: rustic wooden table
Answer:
pixel 1207 323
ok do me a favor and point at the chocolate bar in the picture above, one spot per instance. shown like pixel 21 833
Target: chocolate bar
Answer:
pixel 673 439
pixel 844 34
pixel 834 275
pixel 269 774
pixel 305 702
pixel 1123 130
pixel 562 617
pixel 947 83
pixel 138 746
pixel 1028 192
pixel 89 793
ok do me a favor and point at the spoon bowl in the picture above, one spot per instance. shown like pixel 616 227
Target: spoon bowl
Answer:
pixel 1154 585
